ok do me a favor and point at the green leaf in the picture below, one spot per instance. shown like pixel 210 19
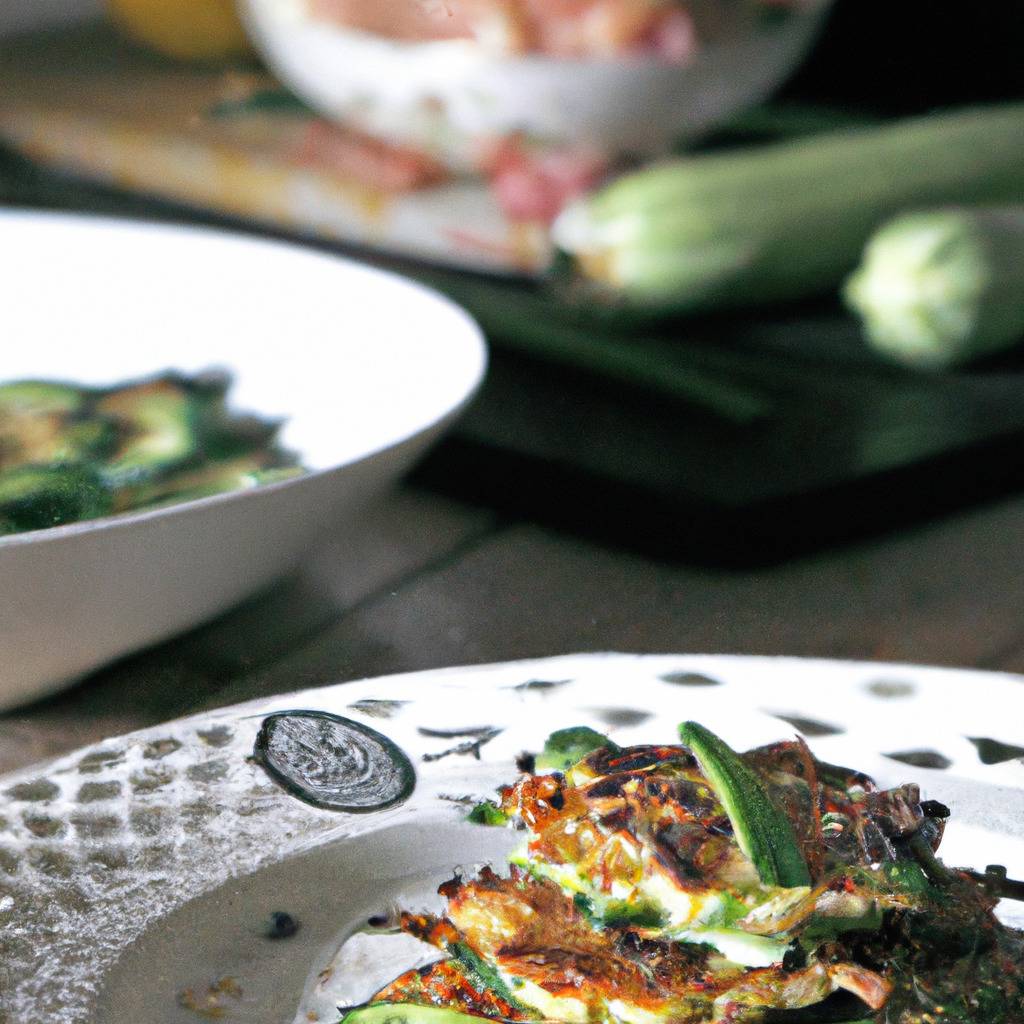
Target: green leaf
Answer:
pixel 825 929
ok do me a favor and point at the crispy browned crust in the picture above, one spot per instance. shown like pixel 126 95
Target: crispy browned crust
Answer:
pixel 532 931
pixel 447 984
pixel 653 801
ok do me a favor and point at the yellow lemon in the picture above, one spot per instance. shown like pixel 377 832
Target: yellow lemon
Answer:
pixel 187 29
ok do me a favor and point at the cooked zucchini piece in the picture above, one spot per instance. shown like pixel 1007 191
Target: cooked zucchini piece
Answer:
pixel 204 481
pixel 406 1013
pixel 763 832
pixel 38 497
pixel 32 397
pixel 30 439
pixel 164 439
pixel 275 474
pixel 160 418
pixel 90 439
pixel 226 435
pixel 51 439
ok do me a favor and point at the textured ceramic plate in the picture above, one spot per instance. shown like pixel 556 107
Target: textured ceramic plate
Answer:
pixel 139 878
pixel 363 367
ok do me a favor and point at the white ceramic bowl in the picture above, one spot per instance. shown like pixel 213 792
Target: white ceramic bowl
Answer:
pixel 366 368
pixel 444 97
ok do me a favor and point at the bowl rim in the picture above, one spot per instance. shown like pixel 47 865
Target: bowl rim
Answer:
pixel 257 14
pixel 474 341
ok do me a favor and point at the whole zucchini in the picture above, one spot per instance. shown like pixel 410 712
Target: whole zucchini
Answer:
pixel 784 221
pixel 943 287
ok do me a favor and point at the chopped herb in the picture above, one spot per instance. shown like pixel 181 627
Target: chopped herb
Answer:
pixel 566 747
pixel 487 813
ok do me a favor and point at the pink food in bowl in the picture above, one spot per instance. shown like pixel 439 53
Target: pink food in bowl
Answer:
pixel 561 28
pixel 409 115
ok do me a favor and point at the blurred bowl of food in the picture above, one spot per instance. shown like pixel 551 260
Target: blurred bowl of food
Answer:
pixel 139 493
pixel 609 77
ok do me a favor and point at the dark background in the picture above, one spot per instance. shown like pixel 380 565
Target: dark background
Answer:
pixel 907 56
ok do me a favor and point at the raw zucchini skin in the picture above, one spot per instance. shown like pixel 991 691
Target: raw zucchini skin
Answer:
pixel 784 221
pixel 937 288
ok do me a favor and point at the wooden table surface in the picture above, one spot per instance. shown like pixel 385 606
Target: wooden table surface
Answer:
pixel 425 582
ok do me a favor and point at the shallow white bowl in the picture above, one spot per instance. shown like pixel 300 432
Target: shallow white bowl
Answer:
pixel 366 367
pixel 445 97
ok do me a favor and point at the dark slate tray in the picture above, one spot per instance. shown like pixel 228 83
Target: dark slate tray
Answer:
pixel 806 438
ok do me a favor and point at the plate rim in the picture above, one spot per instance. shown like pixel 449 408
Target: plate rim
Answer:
pixel 285 699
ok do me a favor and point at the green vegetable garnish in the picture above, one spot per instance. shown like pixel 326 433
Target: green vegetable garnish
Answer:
pixel 762 831
pixel 487 813
pixel 826 929
pixel 907 876
pixel 566 747
pixel 623 914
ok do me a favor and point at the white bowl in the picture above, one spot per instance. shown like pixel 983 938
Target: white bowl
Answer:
pixel 445 97
pixel 366 367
